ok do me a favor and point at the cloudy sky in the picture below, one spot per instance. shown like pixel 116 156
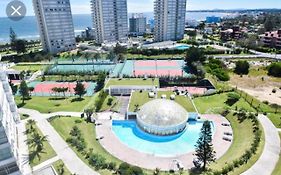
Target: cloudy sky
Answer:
pixel 83 6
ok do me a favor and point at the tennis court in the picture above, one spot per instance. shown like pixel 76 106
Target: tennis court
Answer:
pixel 45 88
pixel 154 68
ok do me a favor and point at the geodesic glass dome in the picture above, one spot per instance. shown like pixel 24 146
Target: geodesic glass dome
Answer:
pixel 162 117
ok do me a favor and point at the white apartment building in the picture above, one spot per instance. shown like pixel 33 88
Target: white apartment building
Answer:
pixel 9 140
pixel 137 24
pixel 55 24
pixel 169 18
pixel 110 20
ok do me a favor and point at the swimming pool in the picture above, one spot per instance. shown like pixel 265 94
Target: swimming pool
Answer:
pixel 163 146
pixel 182 47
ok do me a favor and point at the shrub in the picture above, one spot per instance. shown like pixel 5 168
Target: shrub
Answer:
pixel 102 96
pixel 111 166
pixel 98 161
pixel 242 67
pixel 232 98
pixel 275 69
pixel 109 101
pixel 78 121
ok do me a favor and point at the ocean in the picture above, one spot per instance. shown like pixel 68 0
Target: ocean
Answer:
pixel 27 27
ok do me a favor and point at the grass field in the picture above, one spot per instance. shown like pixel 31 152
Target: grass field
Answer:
pixel 26 67
pixel 216 103
pixel 276 119
pixel 243 138
pixel 277 170
pixel 89 134
pixel 133 81
pixel 140 99
pixel 47 105
pixel 46 154
pixel 57 165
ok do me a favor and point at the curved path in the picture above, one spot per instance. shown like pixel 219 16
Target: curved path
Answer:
pixel 64 152
pixel 270 155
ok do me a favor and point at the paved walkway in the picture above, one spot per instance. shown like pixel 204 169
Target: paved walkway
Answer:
pixel 149 161
pixel 23 151
pixel 270 155
pixel 64 152
pixel 46 164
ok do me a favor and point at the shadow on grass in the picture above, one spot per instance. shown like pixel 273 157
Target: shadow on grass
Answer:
pixel 21 105
pixel 57 98
pixel 195 171
pixel 77 100
pixel 35 154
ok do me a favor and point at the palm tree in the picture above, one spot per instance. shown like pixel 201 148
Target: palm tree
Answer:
pixel 37 142
pixel 136 107
pixel 31 124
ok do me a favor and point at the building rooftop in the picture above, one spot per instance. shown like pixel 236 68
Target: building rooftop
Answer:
pixel 162 113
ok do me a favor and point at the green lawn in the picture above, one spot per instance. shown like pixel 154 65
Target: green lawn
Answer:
pixel 47 153
pixel 31 67
pixel 277 170
pixel 46 105
pixel 216 103
pixel 105 105
pixel 276 119
pixel 56 166
pixel 89 134
pixel 133 81
pixel 243 138
pixel 141 98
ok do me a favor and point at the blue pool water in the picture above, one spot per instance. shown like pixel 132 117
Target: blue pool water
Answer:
pixel 182 47
pixel 165 146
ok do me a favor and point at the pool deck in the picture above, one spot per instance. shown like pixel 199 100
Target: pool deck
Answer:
pixel 115 147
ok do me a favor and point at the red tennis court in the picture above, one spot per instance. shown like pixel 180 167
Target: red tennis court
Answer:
pixel 47 87
pixel 154 63
pixel 158 72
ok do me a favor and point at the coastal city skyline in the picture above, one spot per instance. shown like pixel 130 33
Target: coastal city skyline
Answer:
pixel 83 6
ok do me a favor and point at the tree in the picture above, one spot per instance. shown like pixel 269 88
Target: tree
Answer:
pixel 75 131
pixel 60 90
pixel 194 54
pixel 61 169
pixel 204 147
pixel 97 56
pixel 20 46
pixel 31 124
pixel 13 38
pixel 13 87
pixel 100 81
pixel 80 89
pixel 89 112
pixel 37 142
pixel 242 67
pixel 118 49
pixel 274 69
pixel 268 24
pixel 111 56
pixel 24 91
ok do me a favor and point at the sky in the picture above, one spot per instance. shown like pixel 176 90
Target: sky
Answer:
pixel 83 6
